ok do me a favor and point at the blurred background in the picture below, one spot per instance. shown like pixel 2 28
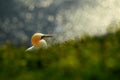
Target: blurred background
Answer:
pixel 85 46
pixel 67 19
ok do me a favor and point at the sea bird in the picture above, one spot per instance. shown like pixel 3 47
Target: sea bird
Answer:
pixel 38 41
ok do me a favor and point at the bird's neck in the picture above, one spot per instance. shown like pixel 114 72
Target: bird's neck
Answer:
pixel 36 44
pixel 43 43
pixel 40 43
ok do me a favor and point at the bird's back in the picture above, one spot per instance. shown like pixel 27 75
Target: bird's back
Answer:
pixel 32 48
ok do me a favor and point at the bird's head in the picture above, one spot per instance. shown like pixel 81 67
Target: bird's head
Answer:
pixel 37 37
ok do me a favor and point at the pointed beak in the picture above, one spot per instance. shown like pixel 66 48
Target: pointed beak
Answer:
pixel 47 36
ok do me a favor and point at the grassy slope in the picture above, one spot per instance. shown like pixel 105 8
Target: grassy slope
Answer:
pixel 87 59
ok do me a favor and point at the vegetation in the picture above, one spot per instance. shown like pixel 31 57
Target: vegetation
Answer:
pixel 91 58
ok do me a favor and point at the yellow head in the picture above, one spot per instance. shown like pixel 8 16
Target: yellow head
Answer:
pixel 37 37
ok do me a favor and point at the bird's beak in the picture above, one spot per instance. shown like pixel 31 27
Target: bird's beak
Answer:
pixel 47 36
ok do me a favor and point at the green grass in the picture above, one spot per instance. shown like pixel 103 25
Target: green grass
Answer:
pixel 91 58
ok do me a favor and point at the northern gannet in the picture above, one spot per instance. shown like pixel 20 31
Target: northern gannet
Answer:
pixel 38 41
